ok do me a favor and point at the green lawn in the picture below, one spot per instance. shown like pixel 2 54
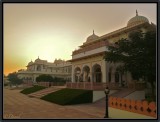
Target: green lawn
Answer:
pixel 32 89
pixel 69 96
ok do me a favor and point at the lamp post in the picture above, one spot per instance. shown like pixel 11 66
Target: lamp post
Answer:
pixel 106 91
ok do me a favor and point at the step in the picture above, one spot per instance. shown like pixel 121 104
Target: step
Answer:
pixel 40 94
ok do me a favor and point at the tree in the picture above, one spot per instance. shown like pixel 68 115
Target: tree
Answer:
pixel 137 54
pixel 45 78
pixel 14 80
pixel 58 79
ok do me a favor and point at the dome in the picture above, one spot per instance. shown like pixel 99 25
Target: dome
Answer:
pixel 92 37
pixel 137 19
pixel 37 60
pixel 30 63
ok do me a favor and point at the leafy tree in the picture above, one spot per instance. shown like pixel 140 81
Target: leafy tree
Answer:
pixel 137 54
pixel 57 79
pixel 14 80
pixel 45 78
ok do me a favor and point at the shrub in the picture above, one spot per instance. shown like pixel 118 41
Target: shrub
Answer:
pixel 14 80
pixel 46 78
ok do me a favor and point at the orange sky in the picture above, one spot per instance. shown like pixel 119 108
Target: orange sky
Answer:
pixel 54 30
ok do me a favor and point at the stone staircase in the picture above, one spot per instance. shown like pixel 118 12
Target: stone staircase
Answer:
pixel 123 92
pixel 46 91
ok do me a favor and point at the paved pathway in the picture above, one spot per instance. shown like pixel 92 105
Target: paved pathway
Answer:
pixel 17 105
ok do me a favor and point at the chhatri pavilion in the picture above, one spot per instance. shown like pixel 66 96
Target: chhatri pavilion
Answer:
pixel 89 65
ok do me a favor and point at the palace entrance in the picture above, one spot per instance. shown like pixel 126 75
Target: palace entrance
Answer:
pixel 97 74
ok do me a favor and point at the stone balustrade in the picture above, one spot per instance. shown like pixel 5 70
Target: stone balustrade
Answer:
pixel 86 85
pixel 92 85
pixel 48 84
pixel 136 106
pixel 27 83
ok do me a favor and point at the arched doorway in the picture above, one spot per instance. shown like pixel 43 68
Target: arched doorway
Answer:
pixel 77 72
pixel 116 77
pixel 97 74
pixel 109 74
pixel 86 71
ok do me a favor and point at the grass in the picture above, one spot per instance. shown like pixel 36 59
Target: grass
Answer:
pixel 70 96
pixel 32 89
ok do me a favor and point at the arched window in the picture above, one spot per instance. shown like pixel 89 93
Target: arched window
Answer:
pixel 39 68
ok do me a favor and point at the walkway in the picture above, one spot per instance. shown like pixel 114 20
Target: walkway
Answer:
pixel 123 92
pixel 17 105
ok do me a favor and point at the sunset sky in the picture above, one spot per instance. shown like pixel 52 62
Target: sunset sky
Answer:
pixel 55 30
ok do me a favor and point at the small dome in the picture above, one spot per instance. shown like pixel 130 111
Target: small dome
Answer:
pixel 30 63
pixel 37 60
pixel 92 37
pixel 137 19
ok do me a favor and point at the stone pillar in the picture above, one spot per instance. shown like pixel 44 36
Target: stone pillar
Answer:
pixel 84 76
pixel 91 80
pixel 34 80
pixel 77 82
pixel 104 71
pixel 73 74
pixel 107 72
pixel 129 77
pixel 35 68
pixel 94 77
pixel 91 77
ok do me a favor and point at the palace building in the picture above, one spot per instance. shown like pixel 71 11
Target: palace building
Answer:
pixel 88 68
pixel 88 64
pixel 59 68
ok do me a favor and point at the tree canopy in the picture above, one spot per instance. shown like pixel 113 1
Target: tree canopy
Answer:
pixel 137 54
pixel 44 78
pixel 49 78
pixel 13 78
pixel 57 79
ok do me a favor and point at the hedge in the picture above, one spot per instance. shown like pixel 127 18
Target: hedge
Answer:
pixel 70 96
pixel 32 89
